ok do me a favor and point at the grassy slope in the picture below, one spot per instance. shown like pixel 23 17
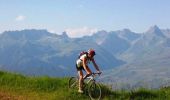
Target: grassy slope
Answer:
pixel 18 87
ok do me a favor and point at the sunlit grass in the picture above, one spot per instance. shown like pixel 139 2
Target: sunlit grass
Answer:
pixel 19 87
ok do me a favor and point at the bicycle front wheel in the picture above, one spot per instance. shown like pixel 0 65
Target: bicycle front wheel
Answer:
pixel 73 82
pixel 94 91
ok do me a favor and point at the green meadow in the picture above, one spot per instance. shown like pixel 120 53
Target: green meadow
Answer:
pixel 20 87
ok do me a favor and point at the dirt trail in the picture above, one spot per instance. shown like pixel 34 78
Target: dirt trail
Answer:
pixel 7 96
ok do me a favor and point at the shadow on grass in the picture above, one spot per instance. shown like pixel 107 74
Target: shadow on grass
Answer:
pixel 142 94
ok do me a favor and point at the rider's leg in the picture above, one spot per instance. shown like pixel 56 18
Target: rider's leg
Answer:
pixel 80 73
pixel 88 71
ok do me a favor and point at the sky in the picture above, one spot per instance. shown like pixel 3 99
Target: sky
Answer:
pixel 84 17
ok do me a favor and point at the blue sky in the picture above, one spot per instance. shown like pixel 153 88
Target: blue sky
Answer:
pixel 83 17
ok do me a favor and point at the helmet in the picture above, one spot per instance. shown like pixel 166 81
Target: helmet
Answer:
pixel 91 52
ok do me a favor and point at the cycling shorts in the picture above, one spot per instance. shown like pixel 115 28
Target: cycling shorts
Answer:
pixel 79 68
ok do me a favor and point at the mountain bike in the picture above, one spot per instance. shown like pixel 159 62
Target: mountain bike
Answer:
pixel 90 85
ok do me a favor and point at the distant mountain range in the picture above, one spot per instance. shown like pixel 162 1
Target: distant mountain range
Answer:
pixel 147 62
pixel 38 52
pixel 123 55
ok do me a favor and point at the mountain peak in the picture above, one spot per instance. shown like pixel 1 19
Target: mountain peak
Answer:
pixel 64 34
pixel 31 34
pixel 101 33
pixel 155 27
pixel 155 30
pixel 126 30
pixel 127 34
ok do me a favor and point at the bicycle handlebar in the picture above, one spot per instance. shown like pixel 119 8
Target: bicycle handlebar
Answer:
pixel 93 74
pixel 96 73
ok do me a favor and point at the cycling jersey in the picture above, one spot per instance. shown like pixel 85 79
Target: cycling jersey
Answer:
pixel 79 62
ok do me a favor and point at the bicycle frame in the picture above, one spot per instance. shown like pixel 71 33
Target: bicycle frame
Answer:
pixel 91 77
pixel 88 79
pixel 90 86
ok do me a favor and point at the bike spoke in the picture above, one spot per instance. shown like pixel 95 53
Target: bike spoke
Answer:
pixel 95 91
pixel 90 86
pixel 73 82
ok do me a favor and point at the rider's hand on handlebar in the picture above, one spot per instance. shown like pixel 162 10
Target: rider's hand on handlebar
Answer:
pixel 99 72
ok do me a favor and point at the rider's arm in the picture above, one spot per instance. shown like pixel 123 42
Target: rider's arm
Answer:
pixel 95 65
pixel 86 68
pixel 85 64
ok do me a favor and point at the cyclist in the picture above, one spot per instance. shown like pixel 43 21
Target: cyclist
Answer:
pixel 82 64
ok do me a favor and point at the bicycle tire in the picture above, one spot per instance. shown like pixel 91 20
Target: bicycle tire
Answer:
pixel 73 82
pixel 94 91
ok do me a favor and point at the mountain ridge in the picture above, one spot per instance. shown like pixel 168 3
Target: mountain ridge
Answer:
pixel 117 51
pixel 28 51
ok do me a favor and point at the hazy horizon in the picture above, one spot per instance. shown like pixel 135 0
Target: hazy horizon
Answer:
pixel 79 18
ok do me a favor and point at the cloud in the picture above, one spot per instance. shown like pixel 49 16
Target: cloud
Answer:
pixel 20 18
pixel 51 31
pixel 79 32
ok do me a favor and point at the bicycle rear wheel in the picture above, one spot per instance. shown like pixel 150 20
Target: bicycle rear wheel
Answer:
pixel 73 82
pixel 94 91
